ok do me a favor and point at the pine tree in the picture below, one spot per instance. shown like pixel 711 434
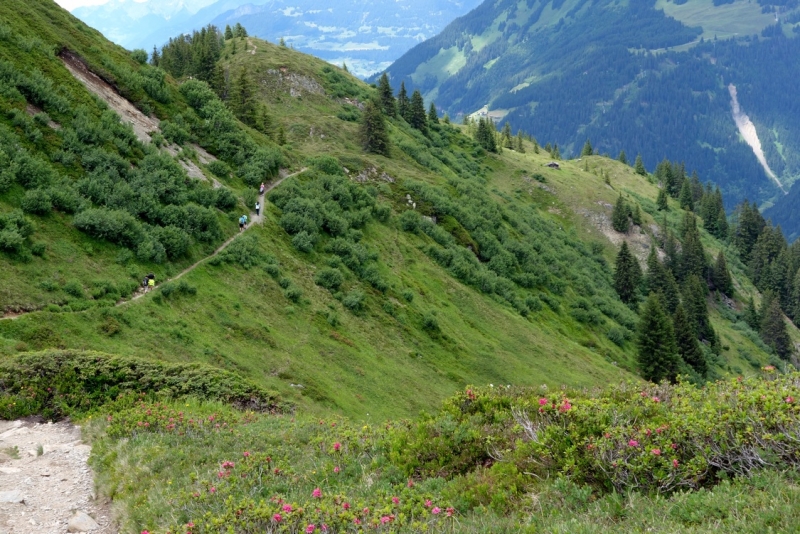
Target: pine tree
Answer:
pixel 520 147
pixel 344 67
pixel 627 275
pixel 721 276
pixel 685 198
pixel 281 137
pixel 155 58
pixel 749 227
pixel 619 217
pixel 485 133
pixel 239 31
pixel 228 32
pixel 403 106
pixel 638 166
pixel 722 230
pixel 556 153
pixel 694 301
pixel 622 157
pixel 218 83
pixel 386 95
pixel 693 256
pixel 662 203
pixel 242 98
pixel 282 42
pixel 636 215
pixel 657 351
pixel 433 115
pixel 660 280
pixel 506 136
pixel 794 306
pixel 587 149
pixel 686 341
pixel 417 117
pixel 751 315
pixel 373 135
pixel 773 329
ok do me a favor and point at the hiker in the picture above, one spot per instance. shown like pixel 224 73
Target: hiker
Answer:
pixel 242 222
pixel 144 283
pixel 258 208
pixel 262 188
pixel 151 282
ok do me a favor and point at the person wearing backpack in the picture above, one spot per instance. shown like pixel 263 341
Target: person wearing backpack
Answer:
pixel 258 208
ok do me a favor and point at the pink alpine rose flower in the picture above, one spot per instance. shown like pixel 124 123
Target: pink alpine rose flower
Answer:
pixel 633 443
pixel 277 518
pixel 317 493
pixel 656 452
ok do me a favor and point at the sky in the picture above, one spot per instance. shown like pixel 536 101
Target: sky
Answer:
pixel 69 5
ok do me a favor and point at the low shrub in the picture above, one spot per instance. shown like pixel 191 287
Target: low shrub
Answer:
pixel 329 278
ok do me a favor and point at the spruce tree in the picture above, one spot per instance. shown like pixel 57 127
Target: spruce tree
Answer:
pixel 622 157
pixel 373 135
pixel 657 351
pixel 638 166
pixel 619 217
pixel 662 203
pixel 485 133
pixel 751 316
pixel 433 115
pixel 722 230
pixel 686 340
pixel 403 103
pixel 627 275
pixel 506 136
pixel 520 147
pixel 228 32
pixel 794 306
pixel 694 301
pixel 749 227
pixel 556 152
pixel 417 116
pixel 587 149
pixel 660 280
pixel 242 98
pixel 693 256
pixel 773 329
pixel 721 276
pixel 685 198
pixel 155 57
pixel 386 95
pixel 636 215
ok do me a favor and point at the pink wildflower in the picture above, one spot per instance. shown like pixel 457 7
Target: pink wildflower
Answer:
pixel 287 508
pixel 410 483
pixel 789 400
pixel 245 454
pixel 656 399
pixel 212 489
pixel 542 402
pixel 310 529
pixel 145 532
pixel 395 500
pixel 675 463
pixel 633 443
pixel 346 506
pixel 436 510
pixel 385 519
pixel 357 521
pixel 190 524
pixel 451 511
pixel 565 406
pixel 365 511
pixel 656 452
pixel 277 518
pixel 324 527
pixel 674 446
pixel 317 493
pixel 337 446
pixel 428 503
pixel 336 469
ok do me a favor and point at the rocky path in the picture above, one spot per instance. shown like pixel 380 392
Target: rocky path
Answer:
pixel 46 486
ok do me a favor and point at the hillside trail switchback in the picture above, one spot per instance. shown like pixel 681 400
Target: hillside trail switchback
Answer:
pixel 254 219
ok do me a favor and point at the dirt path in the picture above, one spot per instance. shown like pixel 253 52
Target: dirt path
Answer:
pixel 254 219
pixel 46 483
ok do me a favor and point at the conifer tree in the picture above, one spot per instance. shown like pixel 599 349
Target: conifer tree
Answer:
pixel 556 152
pixel 749 227
pixel 281 137
pixel 433 115
pixel 638 166
pixel 619 217
pixel 662 203
pixel 520 147
pixel 693 256
pixel 155 57
pixel 694 301
pixel 218 83
pixel 386 95
pixel 228 32
pixel 773 328
pixel 403 105
pixel 506 136
pixel 627 275
pixel 239 31
pixel 622 157
pixel 686 341
pixel 417 117
pixel 794 306
pixel 485 133
pixel 373 135
pixel 587 149
pixel 636 215
pixel 721 276
pixel 722 230
pixel 660 280
pixel 657 351
pixel 242 98
pixel 685 198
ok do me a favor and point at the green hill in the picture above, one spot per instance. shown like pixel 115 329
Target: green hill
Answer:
pixel 647 77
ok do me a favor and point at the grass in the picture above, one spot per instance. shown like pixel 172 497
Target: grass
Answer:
pixel 737 19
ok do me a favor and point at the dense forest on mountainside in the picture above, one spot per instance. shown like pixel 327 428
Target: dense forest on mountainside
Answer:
pixel 397 258
pixel 619 75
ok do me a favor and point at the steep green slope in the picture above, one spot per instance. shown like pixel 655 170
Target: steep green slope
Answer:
pixel 374 286
pixel 645 77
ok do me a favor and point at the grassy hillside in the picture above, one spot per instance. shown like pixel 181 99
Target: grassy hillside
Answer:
pixel 415 317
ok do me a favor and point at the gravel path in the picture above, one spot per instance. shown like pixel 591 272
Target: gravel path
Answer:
pixel 46 486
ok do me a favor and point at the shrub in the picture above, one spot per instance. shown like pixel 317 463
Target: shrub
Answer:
pixel 244 251
pixel 616 335
pixel 219 169
pixel 326 165
pixel 410 221
pixel 11 240
pixel 176 242
pixel 303 241
pixel 408 295
pixel 75 289
pixel 37 201
pixel 293 293
pixel 116 226
pixel 354 300
pixel 177 288
pixel 329 278
pixel 38 249
pixel 430 323
pixel 224 199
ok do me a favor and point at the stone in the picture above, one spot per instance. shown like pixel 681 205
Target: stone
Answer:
pixel 81 522
pixel 13 497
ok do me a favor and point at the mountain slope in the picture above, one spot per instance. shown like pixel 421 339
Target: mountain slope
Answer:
pixel 649 78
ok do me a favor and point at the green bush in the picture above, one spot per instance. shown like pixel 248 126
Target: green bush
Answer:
pixel 244 251
pixel 410 221
pixel 119 227
pixel 75 289
pixel 56 384
pixel 329 278
pixel 303 241
pixel 37 201
pixel 430 322
pixel 219 169
pixel 354 300
pixel 408 295
pixel 293 293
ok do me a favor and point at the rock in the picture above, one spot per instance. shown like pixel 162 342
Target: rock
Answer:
pixel 81 522
pixel 14 497
pixel 9 470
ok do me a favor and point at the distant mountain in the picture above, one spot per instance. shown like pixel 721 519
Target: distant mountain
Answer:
pixel 366 35
pixel 657 78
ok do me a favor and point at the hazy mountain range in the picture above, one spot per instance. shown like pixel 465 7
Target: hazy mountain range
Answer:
pixel 366 35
